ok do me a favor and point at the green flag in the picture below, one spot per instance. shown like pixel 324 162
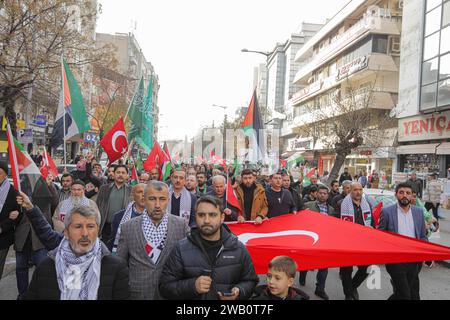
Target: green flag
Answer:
pixel 135 112
pixel 139 165
pixel 236 168
pixel 145 138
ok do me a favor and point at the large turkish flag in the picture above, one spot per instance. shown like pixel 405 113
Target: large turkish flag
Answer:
pixel 316 241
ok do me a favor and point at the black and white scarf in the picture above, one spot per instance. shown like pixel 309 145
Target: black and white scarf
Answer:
pixel 4 190
pixel 154 235
pixel 78 277
pixel 126 217
pixel 185 204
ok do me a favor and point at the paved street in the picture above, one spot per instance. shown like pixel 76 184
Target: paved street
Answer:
pixel 434 282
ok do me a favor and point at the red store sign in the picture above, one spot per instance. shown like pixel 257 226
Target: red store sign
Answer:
pixel 427 127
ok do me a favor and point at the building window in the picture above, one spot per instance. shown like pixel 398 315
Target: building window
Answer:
pixel 435 81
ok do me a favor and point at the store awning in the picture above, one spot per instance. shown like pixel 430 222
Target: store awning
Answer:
pixel 418 149
pixel 444 149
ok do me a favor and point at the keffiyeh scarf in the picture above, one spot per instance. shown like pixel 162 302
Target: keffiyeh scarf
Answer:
pixel 78 277
pixel 154 235
pixel 348 210
pixel 185 204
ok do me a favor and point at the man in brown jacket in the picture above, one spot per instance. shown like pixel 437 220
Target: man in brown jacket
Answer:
pixel 252 199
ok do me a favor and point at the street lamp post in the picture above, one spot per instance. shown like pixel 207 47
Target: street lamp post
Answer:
pixel 267 55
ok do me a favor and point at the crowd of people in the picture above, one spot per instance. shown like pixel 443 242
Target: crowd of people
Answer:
pixel 97 237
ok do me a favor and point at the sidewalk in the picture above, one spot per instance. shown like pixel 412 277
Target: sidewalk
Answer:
pixel 443 236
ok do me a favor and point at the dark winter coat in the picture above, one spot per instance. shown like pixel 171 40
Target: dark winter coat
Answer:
pixel 233 267
pixel 7 225
pixel 263 293
pixel 113 280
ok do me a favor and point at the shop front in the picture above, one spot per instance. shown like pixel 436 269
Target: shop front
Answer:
pixel 366 160
pixel 425 144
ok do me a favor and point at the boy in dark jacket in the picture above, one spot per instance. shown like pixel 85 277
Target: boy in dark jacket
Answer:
pixel 280 281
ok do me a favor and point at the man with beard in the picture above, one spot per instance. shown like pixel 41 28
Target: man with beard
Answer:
pixel 191 185
pixel 337 200
pixel 66 185
pixel 252 199
pixel 112 198
pixel 211 263
pixel 298 201
pixel 77 199
pixel 81 268
pixel 356 209
pixel 202 188
pixel 408 221
pixel 146 241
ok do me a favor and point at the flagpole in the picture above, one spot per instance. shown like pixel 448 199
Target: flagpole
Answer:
pixel 64 109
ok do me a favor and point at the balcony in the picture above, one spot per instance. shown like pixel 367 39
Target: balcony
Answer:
pixel 365 26
pixel 382 98
pixel 355 70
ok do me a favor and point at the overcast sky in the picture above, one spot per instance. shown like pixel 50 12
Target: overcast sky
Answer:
pixel 195 47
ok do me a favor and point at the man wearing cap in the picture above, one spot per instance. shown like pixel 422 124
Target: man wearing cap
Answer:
pixel 9 213
pixel 77 199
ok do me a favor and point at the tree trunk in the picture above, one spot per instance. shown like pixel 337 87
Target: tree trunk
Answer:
pixel 10 114
pixel 340 160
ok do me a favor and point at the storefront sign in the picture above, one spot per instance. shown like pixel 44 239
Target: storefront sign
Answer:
pixel 426 127
pixel 25 135
pixel 40 120
pixel 312 88
pixel 352 67
pixel 299 144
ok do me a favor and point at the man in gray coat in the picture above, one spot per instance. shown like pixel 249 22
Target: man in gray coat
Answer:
pixel 113 198
pixel 146 242
pixel 408 221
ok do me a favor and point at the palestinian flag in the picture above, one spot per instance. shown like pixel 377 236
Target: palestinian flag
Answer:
pixel 294 160
pixel 25 173
pixel 252 125
pixel 307 178
pixel 159 159
pixel 134 177
pixel 71 114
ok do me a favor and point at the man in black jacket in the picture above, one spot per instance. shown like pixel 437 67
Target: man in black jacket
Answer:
pixel 81 268
pixel 210 263
pixel 9 214
pixel 337 200
pixel 298 201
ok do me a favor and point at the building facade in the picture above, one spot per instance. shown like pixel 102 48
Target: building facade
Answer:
pixel 424 97
pixel 132 66
pixel 356 52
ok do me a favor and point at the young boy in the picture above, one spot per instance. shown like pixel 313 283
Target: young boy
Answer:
pixel 280 279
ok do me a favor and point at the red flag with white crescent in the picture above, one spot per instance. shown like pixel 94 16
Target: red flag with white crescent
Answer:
pixel 317 241
pixel 115 142
pixel 48 165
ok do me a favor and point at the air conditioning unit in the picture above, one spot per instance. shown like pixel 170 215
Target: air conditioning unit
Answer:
pixel 400 4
